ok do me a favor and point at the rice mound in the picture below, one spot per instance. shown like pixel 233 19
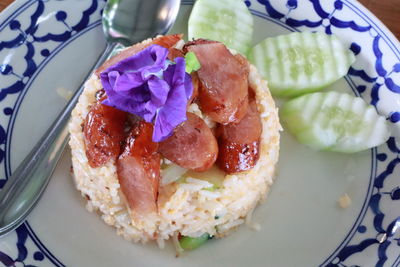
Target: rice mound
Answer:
pixel 186 207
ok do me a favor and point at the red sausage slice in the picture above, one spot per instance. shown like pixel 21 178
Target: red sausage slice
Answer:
pixel 174 53
pixel 103 132
pixel 195 82
pixel 192 146
pixel 138 169
pixel 239 143
pixel 223 91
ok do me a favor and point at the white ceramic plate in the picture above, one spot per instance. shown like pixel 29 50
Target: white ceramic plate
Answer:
pixel 46 48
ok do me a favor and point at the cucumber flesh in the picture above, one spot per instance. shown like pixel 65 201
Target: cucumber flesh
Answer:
pixel 301 62
pixel 227 21
pixel 214 175
pixel 335 122
pixel 190 243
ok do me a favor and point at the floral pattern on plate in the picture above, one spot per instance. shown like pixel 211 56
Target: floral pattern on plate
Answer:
pixel 375 231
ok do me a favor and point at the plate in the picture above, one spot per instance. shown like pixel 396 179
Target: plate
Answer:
pixel 46 48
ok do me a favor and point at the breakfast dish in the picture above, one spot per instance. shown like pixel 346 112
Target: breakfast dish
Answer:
pixel 187 182
pixel 346 205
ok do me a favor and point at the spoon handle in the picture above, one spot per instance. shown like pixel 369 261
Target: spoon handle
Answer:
pixel 25 186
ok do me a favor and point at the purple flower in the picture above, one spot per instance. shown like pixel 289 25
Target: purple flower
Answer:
pixel 151 87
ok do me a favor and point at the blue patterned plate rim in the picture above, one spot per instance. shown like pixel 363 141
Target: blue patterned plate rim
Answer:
pixel 272 15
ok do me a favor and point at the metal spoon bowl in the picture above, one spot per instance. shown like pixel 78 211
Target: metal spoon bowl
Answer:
pixel 125 22
pixel 151 17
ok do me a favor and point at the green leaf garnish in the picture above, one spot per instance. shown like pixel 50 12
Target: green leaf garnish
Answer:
pixel 192 63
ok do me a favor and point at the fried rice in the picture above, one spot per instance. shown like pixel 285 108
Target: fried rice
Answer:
pixel 187 207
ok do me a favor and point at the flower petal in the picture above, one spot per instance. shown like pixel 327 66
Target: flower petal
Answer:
pixel 148 85
pixel 180 76
pixel 173 112
pixel 151 57
pixel 188 86
pixel 159 90
pixel 108 80
pixel 179 72
pixel 127 81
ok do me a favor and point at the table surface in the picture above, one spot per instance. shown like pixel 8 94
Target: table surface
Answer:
pixel 388 11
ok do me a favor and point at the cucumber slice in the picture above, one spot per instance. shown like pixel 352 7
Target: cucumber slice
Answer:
pixel 214 175
pixel 301 62
pixel 227 21
pixel 190 243
pixel 171 173
pixel 334 121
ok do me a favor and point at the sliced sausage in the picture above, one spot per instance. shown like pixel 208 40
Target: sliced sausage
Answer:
pixel 223 81
pixel 103 132
pixel 138 169
pixel 192 146
pixel 195 83
pixel 167 41
pixel 239 143
pixel 174 53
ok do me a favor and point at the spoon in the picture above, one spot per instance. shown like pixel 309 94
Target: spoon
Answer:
pixel 125 22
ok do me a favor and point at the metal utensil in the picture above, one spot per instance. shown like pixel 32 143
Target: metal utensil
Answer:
pixel 125 22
